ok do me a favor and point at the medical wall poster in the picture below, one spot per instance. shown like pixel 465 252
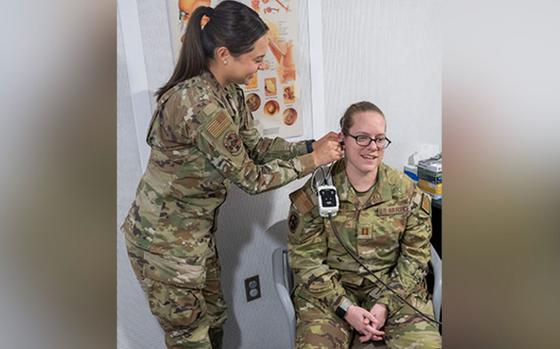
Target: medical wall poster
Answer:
pixel 272 94
pixel 179 12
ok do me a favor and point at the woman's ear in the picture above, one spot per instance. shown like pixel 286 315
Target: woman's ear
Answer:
pixel 222 54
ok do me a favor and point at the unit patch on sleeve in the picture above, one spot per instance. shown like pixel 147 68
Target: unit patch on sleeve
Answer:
pixel 232 143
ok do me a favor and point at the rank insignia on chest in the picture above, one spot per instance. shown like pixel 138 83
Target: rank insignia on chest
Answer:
pixel 363 230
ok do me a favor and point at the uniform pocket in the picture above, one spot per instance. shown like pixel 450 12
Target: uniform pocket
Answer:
pixel 176 306
pixel 180 272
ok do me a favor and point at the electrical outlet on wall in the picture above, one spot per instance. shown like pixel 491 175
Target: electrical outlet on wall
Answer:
pixel 252 288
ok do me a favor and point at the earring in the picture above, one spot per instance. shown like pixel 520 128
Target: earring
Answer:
pixel 225 61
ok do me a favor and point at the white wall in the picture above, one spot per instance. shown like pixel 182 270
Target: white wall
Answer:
pixel 389 53
pixel 136 327
pixel 398 68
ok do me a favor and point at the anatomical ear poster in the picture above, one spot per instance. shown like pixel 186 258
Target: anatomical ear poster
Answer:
pixel 179 12
pixel 272 94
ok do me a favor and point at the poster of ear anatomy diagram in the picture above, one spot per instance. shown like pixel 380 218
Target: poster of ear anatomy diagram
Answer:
pixel 272 94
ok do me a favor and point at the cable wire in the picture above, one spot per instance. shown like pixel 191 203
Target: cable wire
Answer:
pixel 356 258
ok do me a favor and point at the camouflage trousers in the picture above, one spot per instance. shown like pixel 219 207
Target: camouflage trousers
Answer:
pixel 318 327
pixel 191 315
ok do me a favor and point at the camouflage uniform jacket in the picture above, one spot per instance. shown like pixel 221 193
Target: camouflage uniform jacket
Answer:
pixel 202 138
pixel 390 233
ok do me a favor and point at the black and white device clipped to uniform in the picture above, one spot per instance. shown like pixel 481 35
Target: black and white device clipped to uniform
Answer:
pixel 326 192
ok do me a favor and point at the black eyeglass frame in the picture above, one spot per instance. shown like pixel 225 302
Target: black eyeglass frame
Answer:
pixel 371 140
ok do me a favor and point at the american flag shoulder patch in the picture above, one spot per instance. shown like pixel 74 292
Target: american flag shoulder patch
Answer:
pixel 217 126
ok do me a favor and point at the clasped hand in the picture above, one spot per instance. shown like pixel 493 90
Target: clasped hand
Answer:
pixel 367 323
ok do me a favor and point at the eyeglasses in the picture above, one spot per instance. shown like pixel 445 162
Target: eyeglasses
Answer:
pixel 363 141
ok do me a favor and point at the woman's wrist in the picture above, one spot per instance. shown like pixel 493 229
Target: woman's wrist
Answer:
pixel 309 145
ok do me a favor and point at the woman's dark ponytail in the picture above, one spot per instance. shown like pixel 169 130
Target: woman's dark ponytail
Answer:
pixel 231 24
pixel 192 59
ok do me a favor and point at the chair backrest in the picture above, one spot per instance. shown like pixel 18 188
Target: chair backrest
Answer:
pixel 283 272
pixel 284 283
pixel 435 261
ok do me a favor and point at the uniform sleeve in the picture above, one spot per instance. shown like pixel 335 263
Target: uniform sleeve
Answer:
pixel 218 138
pixel 307 252
pixel 262 149
pixel 412 263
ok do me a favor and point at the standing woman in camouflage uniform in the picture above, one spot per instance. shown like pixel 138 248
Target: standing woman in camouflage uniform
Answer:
pixel 202 138
pixel 385 220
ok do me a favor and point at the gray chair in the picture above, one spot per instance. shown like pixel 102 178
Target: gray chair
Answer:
pixel 284 284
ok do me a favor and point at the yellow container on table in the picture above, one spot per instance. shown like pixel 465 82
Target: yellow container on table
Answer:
pixel 431 188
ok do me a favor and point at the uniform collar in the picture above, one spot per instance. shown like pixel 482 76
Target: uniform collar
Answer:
pixel 381 193
pixel 214 85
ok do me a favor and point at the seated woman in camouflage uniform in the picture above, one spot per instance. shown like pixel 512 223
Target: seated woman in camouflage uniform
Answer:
pixel 385 220
pixel 202 138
